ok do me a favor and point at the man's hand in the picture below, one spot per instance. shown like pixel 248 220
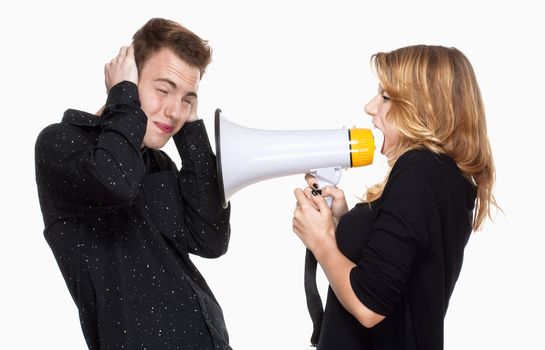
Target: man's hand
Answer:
pixel 120 68
pixel 193 112
pixel 99 112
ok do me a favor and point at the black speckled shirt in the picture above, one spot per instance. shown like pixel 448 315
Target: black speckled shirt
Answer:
pixel 121 222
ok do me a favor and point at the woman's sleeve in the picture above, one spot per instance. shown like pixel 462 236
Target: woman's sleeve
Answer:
pixel 399 232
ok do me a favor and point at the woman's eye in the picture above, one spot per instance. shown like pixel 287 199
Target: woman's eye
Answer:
pixel 385 98
pixel 162 91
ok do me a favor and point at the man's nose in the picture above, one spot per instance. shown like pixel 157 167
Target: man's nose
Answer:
pixel 173 110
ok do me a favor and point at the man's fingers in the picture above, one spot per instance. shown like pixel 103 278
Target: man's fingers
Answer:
pixel 120 68
pixel 123 51
pixel 193 112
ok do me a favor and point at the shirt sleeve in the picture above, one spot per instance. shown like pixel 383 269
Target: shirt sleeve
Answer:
pixel 83 177
pixel 399 232
pixel 205 217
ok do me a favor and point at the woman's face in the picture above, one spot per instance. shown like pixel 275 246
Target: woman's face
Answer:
pixel 378 108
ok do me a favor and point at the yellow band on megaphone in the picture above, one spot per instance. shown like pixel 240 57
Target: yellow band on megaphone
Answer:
pixel 362 147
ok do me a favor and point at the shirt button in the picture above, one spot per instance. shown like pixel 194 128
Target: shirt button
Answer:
pixel 193 147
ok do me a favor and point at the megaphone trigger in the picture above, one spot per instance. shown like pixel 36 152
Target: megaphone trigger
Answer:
pixel 327 177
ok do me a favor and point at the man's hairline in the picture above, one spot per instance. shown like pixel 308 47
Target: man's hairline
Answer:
pixel 155 51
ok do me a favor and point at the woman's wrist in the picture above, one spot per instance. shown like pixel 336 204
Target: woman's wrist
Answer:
pixel 325 248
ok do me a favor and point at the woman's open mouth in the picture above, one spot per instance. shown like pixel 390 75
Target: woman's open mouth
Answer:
pixel 378 135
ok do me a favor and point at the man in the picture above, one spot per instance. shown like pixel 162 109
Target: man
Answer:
pixel 119 216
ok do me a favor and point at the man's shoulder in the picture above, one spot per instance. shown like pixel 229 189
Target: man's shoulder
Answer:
pixel 50 132
pixel 80 118
pixel 74 127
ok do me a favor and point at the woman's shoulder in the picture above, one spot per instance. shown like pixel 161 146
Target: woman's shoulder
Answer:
pixel 425 168
pixel 425 161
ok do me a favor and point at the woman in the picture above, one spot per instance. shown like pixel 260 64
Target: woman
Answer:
pixel 393 260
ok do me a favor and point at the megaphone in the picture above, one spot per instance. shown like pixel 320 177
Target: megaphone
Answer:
pixel 245 156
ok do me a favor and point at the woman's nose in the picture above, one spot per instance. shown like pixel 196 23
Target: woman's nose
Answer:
pixel 371 107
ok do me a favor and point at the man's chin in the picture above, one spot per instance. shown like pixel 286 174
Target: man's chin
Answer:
pixel 154 145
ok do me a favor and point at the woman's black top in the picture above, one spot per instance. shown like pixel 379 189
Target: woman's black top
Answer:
pixel 408 246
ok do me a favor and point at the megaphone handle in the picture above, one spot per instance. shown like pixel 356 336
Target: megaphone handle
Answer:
pixel 324 177
pixel 327 177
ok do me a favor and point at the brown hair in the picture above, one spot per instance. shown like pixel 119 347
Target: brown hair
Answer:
pixel 436 104
pixel 160 33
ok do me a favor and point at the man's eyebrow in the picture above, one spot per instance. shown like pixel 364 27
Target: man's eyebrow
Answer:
pixel 174 86
pixel 168 81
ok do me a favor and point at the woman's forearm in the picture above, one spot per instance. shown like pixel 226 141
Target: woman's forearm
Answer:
pixel 337 269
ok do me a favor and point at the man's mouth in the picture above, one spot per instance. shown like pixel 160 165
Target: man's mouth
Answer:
pixel 167 129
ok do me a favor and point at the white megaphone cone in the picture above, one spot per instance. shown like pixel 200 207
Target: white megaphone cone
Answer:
pixel 245 156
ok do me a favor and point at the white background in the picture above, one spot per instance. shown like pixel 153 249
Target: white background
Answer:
pixel 280 65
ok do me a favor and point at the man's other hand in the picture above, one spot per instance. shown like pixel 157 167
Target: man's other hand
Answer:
pixel 120 68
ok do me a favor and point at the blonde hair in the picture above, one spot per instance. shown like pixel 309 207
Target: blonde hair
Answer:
pixel 436 104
